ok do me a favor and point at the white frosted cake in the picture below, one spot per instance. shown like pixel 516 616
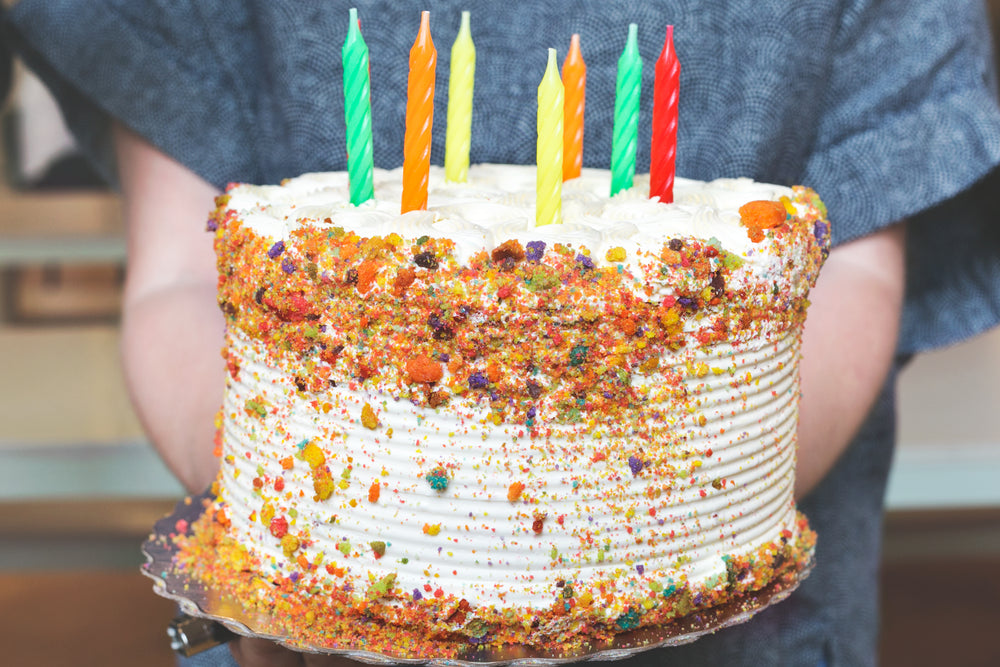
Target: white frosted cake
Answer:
pixel 452 428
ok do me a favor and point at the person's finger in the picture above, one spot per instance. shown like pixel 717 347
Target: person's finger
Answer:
pixel 250 652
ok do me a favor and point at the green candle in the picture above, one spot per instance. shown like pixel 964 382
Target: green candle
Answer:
pixel 626 124
pixel 358 111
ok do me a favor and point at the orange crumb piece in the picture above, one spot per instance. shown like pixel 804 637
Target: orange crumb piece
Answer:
pixel 508 249
pixel 404 278
pixel 514 491
pixel 422 368
pixel 287 463
pixel 373 492
pixel 366 275
pixel 759 215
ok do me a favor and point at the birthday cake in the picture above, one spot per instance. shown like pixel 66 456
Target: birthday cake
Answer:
pixel 454 428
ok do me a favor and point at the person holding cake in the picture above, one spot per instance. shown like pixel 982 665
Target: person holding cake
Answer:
pixel 176 101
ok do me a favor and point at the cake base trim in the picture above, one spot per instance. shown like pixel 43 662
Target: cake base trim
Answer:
pixel 219 589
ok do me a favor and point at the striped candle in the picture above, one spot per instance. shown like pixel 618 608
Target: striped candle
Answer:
pixel 458 136
pixel 663 148
pixel 419 118
pixel 358 113
pixel 626 122
pixel 574 76
pixel 549 147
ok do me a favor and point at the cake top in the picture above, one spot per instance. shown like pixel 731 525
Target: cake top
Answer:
pixel 469 298
pixel 497 205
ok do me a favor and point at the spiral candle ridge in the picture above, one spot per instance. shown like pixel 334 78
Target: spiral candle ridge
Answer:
pixel 419 119
pixel 663 147
pixel 626 122
pixel 574 76
pixel 549 148
pixel 458 136
pixel 358 113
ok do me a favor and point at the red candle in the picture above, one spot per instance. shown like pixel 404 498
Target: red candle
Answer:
pixel 663 151
pixel 419 119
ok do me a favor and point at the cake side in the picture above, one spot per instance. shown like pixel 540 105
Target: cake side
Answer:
pixel 558 432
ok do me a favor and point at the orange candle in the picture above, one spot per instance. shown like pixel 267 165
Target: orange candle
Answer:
pixel 574 77
pixel 419 118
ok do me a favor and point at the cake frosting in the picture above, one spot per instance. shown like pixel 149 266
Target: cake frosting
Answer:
pixel 451 427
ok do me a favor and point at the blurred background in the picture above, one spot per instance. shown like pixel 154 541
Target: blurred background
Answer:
pixel 80 486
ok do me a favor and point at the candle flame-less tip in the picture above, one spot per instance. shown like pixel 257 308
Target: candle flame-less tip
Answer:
pixel 465 21
pixel 668 43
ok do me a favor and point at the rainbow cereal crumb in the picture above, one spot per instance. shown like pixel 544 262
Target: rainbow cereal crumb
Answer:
pixel 429 623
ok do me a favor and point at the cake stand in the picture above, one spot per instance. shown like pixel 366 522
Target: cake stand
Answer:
pixel 201 601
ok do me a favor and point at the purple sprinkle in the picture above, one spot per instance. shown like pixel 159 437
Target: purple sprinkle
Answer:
pixel 820 230
pixel 636 464
pixel 698 599
pixel 444 357
pixel 640 569
pixel 276 250
pixel 535 250
pixel 686 302
pixel 417 595
pixel 294 576
pixel 531 412
pixel 584 261
pixel 287 266
pixel 478 381
pixel 211 225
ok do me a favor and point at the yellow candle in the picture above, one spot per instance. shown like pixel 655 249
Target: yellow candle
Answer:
pixel 549 148
pixel 458 136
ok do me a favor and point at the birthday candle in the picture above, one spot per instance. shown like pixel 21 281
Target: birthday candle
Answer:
pixel 574 76
pixel 663 148
pixel 626 123
pixel 358 112
pixel 419 118
pixel 458 136
pixel 549 148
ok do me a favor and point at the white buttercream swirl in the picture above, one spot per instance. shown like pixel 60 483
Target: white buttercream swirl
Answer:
pixel 486 551
pixel 498 204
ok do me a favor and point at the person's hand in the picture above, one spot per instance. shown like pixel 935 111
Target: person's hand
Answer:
pixel 263 653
